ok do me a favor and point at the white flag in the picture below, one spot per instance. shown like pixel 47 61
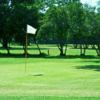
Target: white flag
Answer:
pixel 31 30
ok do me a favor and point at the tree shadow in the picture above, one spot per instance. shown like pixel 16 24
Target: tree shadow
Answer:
pixel 90 67
pixel 21 55
pixel 95 61
pixel 73 57
pixel 46 56
pixel 19 48
pixel 79 48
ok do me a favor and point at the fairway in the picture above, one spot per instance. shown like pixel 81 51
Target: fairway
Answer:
pixel 49 49
pixel 50 78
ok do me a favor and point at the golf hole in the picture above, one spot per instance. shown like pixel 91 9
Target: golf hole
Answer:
pixel 38 74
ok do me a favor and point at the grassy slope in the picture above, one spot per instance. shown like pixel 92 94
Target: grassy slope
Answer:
pixel 72 79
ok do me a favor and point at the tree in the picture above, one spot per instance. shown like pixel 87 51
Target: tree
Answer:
pixel 92 24
pixel 24 12
pixel 15 15
pixel 97 32
pixel 56 18
pixel 5 32
pixel 77 27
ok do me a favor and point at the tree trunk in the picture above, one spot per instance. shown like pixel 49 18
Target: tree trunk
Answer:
pixel 98 49
pixel 39 49
pixel 75 46
pixel 84 47
pixel 8 51
pixel 82 50
pixel 25 49
pixel 37 46
pixel 62 50
pixel 65 49
pixel 5 45
pixel 98 52
pixel 93 46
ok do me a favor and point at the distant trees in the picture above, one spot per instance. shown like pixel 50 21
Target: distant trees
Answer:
pixel 72 22
pixel 92 25
pixel 58 21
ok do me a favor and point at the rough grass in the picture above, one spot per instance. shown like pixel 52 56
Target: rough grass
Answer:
pixel 50 78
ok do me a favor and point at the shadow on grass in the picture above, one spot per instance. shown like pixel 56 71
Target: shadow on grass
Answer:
pixel 21 55
pixel 90 67
pixel 95 61
pixel 43 55
pixel 73 57
pixel 18 48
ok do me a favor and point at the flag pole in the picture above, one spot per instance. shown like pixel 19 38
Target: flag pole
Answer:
pixel 30 30
pixel 26 52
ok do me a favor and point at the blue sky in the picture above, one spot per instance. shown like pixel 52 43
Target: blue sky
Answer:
pixel 90 2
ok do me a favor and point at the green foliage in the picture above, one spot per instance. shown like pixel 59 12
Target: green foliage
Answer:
pixel 58 21
pixel 15 15
pixel 77 18
pixel 56 25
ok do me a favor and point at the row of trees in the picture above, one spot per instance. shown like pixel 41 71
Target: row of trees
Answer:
pixel 72 22
pixel 58 21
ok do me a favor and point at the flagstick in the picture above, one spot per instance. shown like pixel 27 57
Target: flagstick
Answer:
pixel 30 30
pixel 26 52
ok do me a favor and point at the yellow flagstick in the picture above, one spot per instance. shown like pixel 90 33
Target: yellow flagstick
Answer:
pixel 26 53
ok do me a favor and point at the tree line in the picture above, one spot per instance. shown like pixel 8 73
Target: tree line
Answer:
pixel 60 22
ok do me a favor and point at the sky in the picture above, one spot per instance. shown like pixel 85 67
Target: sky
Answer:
pixel 90 2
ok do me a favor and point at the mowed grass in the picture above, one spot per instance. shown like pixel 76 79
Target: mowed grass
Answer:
pixel 51 77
